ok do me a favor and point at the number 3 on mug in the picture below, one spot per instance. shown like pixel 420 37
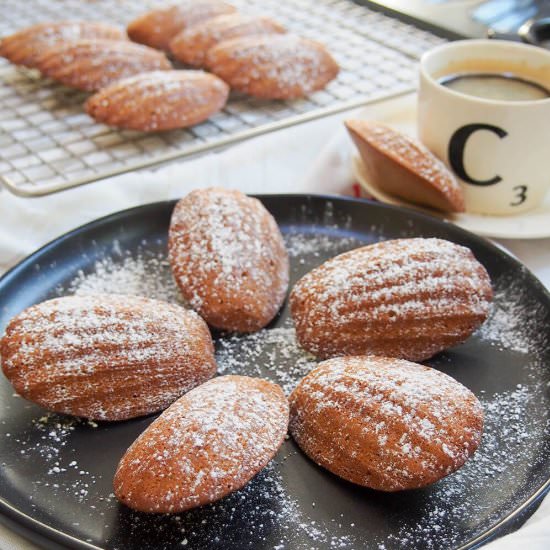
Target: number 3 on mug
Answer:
pixel 521 195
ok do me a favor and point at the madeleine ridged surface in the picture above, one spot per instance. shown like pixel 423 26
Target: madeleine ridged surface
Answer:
pixel 407 298
pixel 106 357
pixel 209 443
pixel 159 100
pixel 383 423
pixel 92 64
pixel 276 66
pixel 157 27
pixel 228 258
pixel 192 44
pixel 26 45
pixel 404 167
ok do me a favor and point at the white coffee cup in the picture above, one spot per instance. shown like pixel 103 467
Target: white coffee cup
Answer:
pixel 499 150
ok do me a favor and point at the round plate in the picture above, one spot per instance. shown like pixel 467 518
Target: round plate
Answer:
pixel 400 113
pixel 56 475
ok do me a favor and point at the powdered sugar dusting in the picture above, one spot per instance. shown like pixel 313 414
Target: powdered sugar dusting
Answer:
pixel 212 441
pixel 91 64
pixel 145 274
pixel 159 100
pixel 413 154
pixel 26 46
pixel 393 294
pixel 158 26
pixel 272 353
pixel 228 258
pixel 511 435
pixel 59 353
pixel 418 423
pixel 273 66
pixel 299 245
pixel 192 44
pixel 514 322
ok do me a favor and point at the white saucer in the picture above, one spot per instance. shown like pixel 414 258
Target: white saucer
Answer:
pixel 401 114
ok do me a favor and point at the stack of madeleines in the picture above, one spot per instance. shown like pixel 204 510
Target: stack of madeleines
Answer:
pixel 366 413
pixel 137 86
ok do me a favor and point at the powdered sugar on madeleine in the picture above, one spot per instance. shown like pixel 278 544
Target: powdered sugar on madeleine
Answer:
pixel 404 167
pixel 385 423
pixel 159 100
pixel 276 66
pixel 157 27
pixel 106 356
pixel 27 45
pixel 228 258
pixel 192 44
pixel 407 298
pixel 91 64
pixel 208 444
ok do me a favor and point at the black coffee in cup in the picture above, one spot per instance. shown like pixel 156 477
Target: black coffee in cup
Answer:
pixel 493 86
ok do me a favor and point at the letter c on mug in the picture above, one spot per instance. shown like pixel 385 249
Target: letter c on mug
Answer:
pixel 456 151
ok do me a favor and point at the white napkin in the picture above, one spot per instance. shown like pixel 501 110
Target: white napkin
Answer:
pixel 310 158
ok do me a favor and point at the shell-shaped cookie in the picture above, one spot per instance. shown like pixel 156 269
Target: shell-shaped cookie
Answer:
pixel 209 443
pixel 276 66
pixel 157 27
pixel 404 167
pixel 92 64
pixel 26 45
pixel 191 45
pixel 387 424
pixel 159 100
pixel 228 258
pixel 106 357
pixel 407 298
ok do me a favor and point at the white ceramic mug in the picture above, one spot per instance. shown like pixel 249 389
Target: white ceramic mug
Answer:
pixel 499 150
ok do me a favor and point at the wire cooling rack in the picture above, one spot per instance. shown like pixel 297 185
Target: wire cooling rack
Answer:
pixel 48 143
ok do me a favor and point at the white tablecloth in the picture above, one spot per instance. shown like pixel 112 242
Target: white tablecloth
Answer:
pixel 313 157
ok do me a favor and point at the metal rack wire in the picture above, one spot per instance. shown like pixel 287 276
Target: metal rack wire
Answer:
pixel 48 143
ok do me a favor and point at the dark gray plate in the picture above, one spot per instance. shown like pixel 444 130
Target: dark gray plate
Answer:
pixel 56 474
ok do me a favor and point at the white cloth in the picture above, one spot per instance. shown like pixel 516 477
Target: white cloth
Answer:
pixel 312 158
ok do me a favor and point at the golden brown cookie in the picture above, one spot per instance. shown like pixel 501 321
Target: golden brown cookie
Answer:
pixel 387 424
pixel 92 64
pixel 157 27
pixel 23 47
pixel 402 166
pixel 228 258
pixel 209 443
pixel 106 357
pixel 276 66
pixel 407 298
pixel 160 100
pixel 191 45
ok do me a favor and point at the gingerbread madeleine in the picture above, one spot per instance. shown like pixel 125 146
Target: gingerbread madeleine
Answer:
pixel 157 27
pixel 92 64
pixel 106 357
pixel 404 167
pixel 407 298
pixel 209 443
pixel 228 258
pixel 26 45
pixel 192 44
pixel 276 66
pixel 384 423
pixel 159 100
